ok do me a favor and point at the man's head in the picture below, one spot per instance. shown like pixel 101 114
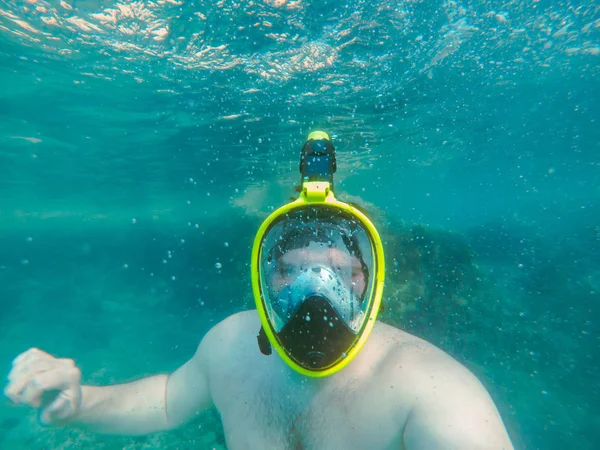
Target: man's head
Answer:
pixel 317 273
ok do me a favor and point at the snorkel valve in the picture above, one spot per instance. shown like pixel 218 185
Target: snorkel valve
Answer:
pixel 317 160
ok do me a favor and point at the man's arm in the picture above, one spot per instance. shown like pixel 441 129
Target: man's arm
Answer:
pixel 151 404
pixel 130 409
pixel 452 409
pixel 148 405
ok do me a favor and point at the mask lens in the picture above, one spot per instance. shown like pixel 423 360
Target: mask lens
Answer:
pixel 318 252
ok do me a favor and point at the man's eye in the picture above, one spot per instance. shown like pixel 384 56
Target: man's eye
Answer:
pixel 286 270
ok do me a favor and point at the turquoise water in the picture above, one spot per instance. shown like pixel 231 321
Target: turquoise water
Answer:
pixel 141 145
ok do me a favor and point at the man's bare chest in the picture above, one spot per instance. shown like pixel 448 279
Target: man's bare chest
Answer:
pixel 269 408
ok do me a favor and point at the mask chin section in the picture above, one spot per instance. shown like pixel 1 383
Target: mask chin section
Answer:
pixel 314 358
pixel 316 337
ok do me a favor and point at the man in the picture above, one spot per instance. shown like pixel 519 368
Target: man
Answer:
pixel 317 277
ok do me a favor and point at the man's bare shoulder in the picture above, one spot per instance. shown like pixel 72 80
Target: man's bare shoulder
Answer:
pixel 232 333
pixel 405 347
pixel 449 406
pixel 241 322
pixel 426 365
pixel 406 350
pixel 431 374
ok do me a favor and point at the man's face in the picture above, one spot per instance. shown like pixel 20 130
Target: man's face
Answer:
pixel 292 263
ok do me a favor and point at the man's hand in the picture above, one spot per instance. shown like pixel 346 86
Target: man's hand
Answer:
pixel 40 380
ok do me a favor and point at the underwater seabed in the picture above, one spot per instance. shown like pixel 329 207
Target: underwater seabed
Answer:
pixel 126 302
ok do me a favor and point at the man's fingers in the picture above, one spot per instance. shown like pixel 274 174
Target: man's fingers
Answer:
pixel 30 367
pixel 60 408
pixel 31 394
pixel 40 380
pixel 15 388
pixel 30 364
pixel 59 380
pixel 29 354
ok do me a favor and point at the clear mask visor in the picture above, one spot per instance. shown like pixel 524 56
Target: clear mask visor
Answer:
pixel 317 251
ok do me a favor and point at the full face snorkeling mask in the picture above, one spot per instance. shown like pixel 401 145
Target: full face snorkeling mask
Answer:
pixel 317 272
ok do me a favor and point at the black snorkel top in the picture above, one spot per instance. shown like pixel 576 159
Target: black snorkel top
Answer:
pixel 317 160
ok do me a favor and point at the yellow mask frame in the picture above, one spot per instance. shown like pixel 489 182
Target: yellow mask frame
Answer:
pixel 315 193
